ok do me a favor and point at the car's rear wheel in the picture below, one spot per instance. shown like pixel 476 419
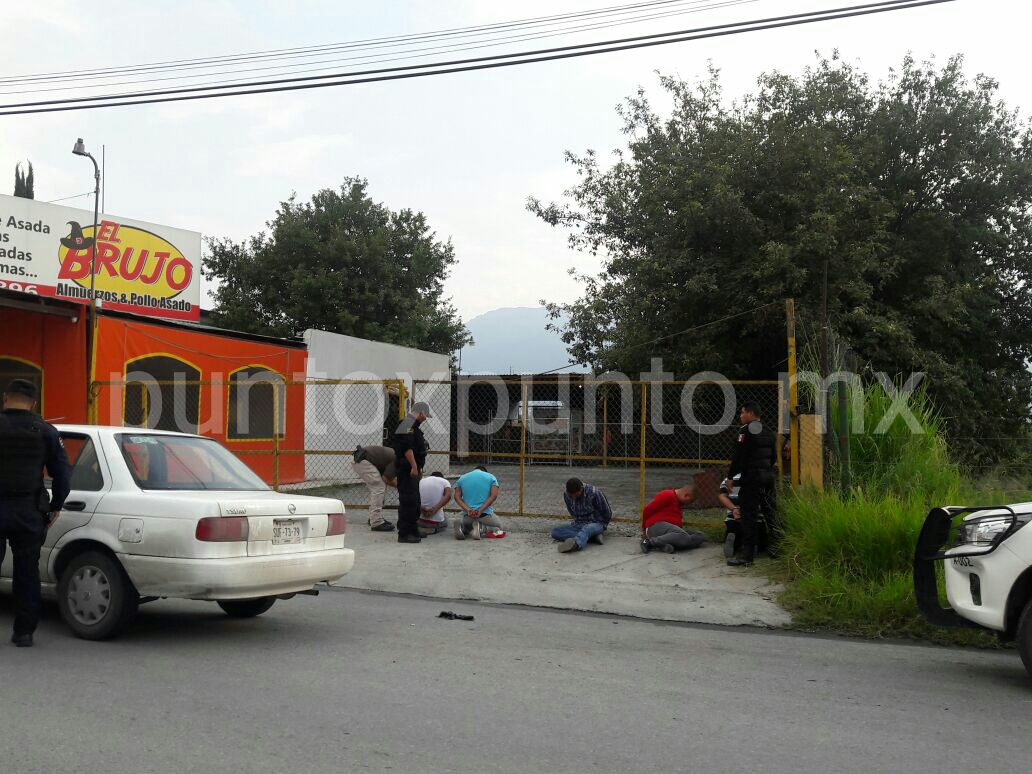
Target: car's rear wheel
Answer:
pixel 1024 637
pixel 246 608
pixel 95 597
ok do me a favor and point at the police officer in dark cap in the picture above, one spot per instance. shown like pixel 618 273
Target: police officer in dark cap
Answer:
pixel 27 445
pixel 754 458
pixel 409 459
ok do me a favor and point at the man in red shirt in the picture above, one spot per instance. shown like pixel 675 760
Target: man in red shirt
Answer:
pixel 661 522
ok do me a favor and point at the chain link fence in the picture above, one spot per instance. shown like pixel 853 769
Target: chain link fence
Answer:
pixel 632 439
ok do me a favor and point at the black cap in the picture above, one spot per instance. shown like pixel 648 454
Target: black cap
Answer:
pixel 22 387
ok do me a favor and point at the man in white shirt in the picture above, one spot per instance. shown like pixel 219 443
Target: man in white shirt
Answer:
pixel 434 493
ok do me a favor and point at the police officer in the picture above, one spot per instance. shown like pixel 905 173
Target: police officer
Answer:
pixel 27 445
pixel 754 460
pixel 409 459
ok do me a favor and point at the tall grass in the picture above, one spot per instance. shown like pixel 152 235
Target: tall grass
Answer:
pixel 847 558
pixel 892 458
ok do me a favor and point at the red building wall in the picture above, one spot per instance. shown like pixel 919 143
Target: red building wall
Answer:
pixel 212 357
pixel 54 348
pixel 55 345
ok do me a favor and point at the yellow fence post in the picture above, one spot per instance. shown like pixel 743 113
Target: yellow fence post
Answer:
pixel 403 397
pixel 641 473
pixel 91 403
pixel 793 393
pixel 605 426
pixel 524 412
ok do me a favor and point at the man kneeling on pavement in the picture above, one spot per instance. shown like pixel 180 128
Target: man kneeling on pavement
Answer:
pixel 434 493
pixel 661 526
pixel 474 494
pixel 591 515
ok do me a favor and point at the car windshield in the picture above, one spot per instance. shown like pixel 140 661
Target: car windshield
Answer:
pixel 185 463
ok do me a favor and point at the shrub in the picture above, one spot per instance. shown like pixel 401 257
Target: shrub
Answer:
pixel 848 558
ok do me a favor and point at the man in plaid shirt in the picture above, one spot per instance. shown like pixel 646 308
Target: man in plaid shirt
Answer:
pixel 591 514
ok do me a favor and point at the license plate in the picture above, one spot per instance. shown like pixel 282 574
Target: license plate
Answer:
pixel 285 532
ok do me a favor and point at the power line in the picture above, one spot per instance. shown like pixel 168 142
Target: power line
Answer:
pixel 695 6
pixel 359 44
pixel 66 198
pixel 467 65
pixel 654 38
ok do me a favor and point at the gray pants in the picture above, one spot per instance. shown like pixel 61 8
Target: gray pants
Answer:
pixel 490 520
pixel 663 533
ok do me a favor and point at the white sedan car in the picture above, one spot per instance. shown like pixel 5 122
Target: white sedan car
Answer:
pixel 154 514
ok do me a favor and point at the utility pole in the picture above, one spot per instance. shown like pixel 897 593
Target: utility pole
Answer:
pixel 823 398
pixel 843 436
pixel 91 334
pixel 793 394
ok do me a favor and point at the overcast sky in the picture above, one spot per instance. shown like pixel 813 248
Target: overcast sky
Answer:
pixel 466 149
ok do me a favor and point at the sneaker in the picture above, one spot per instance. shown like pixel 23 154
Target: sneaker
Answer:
pixel 667 548
pixel 729 545
pixel 646 546
pixel 383 526
pixel 599 539
pixel 570 544
pixel 409 539
pixel 474 531
pixel 457 527
pixel 739 561
pixel 22 640
pixel 494 533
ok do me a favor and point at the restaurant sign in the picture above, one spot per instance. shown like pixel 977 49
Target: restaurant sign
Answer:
pixel 47 250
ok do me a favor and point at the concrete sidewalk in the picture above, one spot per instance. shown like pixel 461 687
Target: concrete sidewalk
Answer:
pixel 525 568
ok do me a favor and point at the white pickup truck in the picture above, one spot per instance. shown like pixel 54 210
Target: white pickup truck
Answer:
pixel 987 562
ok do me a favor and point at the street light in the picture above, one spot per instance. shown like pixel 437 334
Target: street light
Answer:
pixel 80 150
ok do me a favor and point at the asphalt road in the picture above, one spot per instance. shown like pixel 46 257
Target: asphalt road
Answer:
pixel 355 681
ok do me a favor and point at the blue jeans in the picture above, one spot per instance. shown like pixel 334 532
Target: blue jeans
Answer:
pixel 582 533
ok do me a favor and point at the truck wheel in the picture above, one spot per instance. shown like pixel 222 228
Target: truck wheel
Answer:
pixel 246 608
pixel 1024 637
pixel 95 597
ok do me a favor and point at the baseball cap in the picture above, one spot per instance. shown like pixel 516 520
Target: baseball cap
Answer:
pixel 420 407
pixel 21 387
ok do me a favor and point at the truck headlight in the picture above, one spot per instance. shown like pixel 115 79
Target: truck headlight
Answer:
pixel 989 529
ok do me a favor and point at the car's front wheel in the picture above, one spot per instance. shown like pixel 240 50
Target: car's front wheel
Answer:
pixel 246 608
pixel 95 597
pixel 1024 636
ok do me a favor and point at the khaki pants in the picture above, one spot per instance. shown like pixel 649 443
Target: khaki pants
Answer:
pixel 377 489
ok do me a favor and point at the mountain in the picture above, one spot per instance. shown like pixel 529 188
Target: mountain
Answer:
pixel 513 340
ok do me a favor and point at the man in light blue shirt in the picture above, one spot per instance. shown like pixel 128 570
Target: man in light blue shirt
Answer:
pixel 474 494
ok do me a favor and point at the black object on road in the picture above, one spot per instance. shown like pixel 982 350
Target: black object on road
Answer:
pixel 454 616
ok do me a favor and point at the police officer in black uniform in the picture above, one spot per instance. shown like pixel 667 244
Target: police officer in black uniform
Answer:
pixel 27 445
pixel 409 459
pixel 754 460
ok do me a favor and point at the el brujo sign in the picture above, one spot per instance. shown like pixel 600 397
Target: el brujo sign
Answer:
pixel 45 250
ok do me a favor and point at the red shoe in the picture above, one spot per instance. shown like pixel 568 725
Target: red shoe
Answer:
pixel 498 533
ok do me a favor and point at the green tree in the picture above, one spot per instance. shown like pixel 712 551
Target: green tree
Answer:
pixel 915 192
pixel 24 183
pixel 340 263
